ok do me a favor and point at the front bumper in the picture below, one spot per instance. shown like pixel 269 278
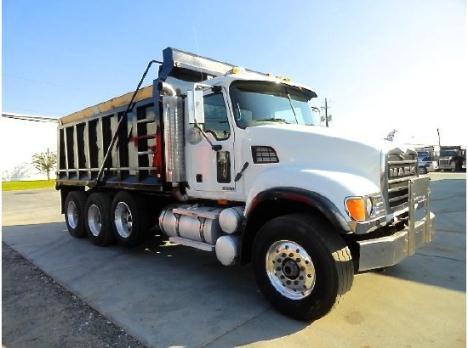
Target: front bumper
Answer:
pixel 389 250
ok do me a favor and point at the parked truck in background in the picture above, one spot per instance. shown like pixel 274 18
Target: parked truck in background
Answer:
pixel 426 163
pixel 452 158
pixel 234 162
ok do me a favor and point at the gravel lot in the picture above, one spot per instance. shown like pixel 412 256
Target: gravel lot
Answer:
pixel 38 312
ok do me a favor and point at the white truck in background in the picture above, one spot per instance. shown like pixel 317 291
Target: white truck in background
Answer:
pixel 234 162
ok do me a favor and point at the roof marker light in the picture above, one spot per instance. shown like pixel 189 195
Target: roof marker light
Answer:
pixel 236 70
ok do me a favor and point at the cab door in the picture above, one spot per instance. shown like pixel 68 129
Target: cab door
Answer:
pixel 210 170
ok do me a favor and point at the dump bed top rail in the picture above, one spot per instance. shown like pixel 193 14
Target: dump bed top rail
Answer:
pixel 182 65
pixel 179 63
pixel 107 106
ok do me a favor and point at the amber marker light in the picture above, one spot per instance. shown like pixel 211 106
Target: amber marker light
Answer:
pixel 356 208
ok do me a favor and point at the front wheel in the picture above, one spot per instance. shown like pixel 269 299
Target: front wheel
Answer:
pixel 301 265
pixel 453 166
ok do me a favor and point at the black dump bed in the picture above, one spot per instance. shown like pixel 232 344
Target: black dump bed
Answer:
pixel 136 157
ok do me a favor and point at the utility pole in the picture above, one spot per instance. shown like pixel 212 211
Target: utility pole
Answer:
pixel 438 135
pixel 327 116
pixel 326 112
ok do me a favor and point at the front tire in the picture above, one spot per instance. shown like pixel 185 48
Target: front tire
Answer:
pixel 301 265
pixel 453 166
pixel 422 170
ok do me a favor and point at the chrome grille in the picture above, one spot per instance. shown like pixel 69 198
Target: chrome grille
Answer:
pixel 401 167
pixel 444 162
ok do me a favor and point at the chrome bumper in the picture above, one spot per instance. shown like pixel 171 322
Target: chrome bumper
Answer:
pixel 390 250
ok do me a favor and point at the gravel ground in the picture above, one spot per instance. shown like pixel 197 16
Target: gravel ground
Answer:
pixel 38 312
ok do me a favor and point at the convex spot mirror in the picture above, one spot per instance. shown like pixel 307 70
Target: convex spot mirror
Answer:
pixel 194 135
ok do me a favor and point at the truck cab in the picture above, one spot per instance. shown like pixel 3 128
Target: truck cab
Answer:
pixel 241 114
pixel 235 162
pixel 452 158
pixel 426 163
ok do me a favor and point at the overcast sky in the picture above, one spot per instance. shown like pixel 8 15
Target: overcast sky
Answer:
pixel 381 64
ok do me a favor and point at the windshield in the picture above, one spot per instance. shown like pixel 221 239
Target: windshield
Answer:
pixel 424 155
pixel 260 102
pixel 447 153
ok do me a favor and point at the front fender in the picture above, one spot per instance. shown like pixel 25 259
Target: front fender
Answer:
pixel 333 185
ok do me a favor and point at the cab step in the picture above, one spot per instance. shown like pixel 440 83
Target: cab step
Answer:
pixel 192 243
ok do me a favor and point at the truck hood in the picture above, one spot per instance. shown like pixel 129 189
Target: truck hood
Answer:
pixel 309 147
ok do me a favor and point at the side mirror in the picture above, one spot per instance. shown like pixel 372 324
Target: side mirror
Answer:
pixel 195 108
pixel 315 109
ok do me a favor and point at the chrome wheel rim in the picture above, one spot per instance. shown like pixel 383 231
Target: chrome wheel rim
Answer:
pixel 123 220
pixel 94 220
pixel 72 214
pixel 290 269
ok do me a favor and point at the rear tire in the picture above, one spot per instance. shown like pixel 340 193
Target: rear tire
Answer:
pixel 422 170
pixel 74 213
pixel 302 239
pixel 97 219
pixel 130 219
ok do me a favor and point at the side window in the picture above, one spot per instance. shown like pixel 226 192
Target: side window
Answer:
pixel 216 120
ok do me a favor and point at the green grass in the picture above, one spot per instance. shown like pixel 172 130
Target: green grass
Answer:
pixel 27 185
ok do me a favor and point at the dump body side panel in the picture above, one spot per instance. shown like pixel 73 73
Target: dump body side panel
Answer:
pixel 136 161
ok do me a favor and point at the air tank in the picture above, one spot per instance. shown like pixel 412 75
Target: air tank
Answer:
pixel 227 249
pixel 230 219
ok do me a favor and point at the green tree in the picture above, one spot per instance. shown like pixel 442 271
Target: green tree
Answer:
pixel 44 162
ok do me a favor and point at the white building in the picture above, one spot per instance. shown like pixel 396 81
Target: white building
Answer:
pixel 22 136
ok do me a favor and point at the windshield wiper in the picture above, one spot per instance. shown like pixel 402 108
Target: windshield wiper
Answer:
pixel 273 120
pixel 239 111
pixel 290 104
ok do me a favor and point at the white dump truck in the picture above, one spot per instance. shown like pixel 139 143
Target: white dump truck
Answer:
pixel 234 162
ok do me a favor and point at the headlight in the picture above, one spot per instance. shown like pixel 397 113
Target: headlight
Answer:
pixel 369 206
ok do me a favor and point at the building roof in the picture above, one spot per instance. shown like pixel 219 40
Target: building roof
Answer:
pixel 31 118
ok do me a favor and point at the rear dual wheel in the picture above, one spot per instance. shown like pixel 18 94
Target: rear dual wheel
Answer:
pixel 130 218
pixel 124 219
pixel 98 221
pixel 74 213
